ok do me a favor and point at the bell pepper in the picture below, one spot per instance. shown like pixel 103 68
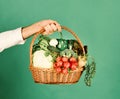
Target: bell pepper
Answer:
pixel 62 44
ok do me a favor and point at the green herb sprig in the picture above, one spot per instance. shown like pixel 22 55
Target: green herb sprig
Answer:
pixel 90 70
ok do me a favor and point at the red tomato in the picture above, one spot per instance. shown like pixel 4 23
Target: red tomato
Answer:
pixel 58 69
pixel 73 67
pixel 65 71
pixel 58 58
pixel 55 65
pixel 66 64
pixel 72 59
pixel 59 63
pixel 75 63
pixel 64 59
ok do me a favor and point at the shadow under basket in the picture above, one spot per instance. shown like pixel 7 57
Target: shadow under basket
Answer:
pixel 50 76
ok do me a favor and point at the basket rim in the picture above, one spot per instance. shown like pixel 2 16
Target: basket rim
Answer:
pixel 80 68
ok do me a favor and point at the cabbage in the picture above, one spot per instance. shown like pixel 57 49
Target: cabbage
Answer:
pixel 40 60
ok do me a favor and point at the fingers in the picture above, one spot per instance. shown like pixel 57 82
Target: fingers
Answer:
pixel 54 27
pixel 51 27
pixel 48 29
pixel 58 26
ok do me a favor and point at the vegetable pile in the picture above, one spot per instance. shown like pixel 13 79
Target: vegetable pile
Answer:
pixel 61 55
pixel 65 64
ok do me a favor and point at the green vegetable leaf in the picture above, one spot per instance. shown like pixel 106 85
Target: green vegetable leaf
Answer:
pixel 35 47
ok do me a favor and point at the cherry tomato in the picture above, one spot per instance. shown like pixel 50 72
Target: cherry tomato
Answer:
pixel 58 69
pixel 58 58
pixel 64 59
pixel 66 64
pixel 59 63
pixel 75 63
pixel 55 65
pixel 73 67
pixel 64 71
pixel 72 59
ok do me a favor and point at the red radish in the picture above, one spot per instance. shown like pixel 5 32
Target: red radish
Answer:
pixel 58 58
pixel 66 64
pixel 65 71
pixel 55 65
pixel 64 59
pixel 58 69
pixel 63 64
pixel 72 59
pixel 59 63
pixel 75 63
pixel 73 67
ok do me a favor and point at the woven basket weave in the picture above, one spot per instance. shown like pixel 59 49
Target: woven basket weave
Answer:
pixel 50 76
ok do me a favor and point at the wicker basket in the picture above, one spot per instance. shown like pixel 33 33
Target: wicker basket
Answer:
pixel 50 76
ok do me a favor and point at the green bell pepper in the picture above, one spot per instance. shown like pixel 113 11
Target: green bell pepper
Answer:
pixel 62 44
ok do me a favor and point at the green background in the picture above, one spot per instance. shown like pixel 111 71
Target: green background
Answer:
pixel 96 22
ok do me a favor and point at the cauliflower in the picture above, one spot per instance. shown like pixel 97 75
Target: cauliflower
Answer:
pixel 53 42
pixel 40 60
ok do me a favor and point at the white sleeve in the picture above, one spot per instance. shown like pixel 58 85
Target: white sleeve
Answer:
pixel 10 38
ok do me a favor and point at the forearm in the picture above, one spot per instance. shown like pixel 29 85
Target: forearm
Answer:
pixel 29 31
pixel 48 25
pixel 17 36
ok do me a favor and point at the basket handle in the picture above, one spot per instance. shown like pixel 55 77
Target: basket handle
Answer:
pixel 63 27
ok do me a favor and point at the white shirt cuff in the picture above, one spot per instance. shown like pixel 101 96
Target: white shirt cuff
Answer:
pixel 11 38
pixel 19 36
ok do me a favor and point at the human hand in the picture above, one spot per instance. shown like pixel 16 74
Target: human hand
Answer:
pixel 49 26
